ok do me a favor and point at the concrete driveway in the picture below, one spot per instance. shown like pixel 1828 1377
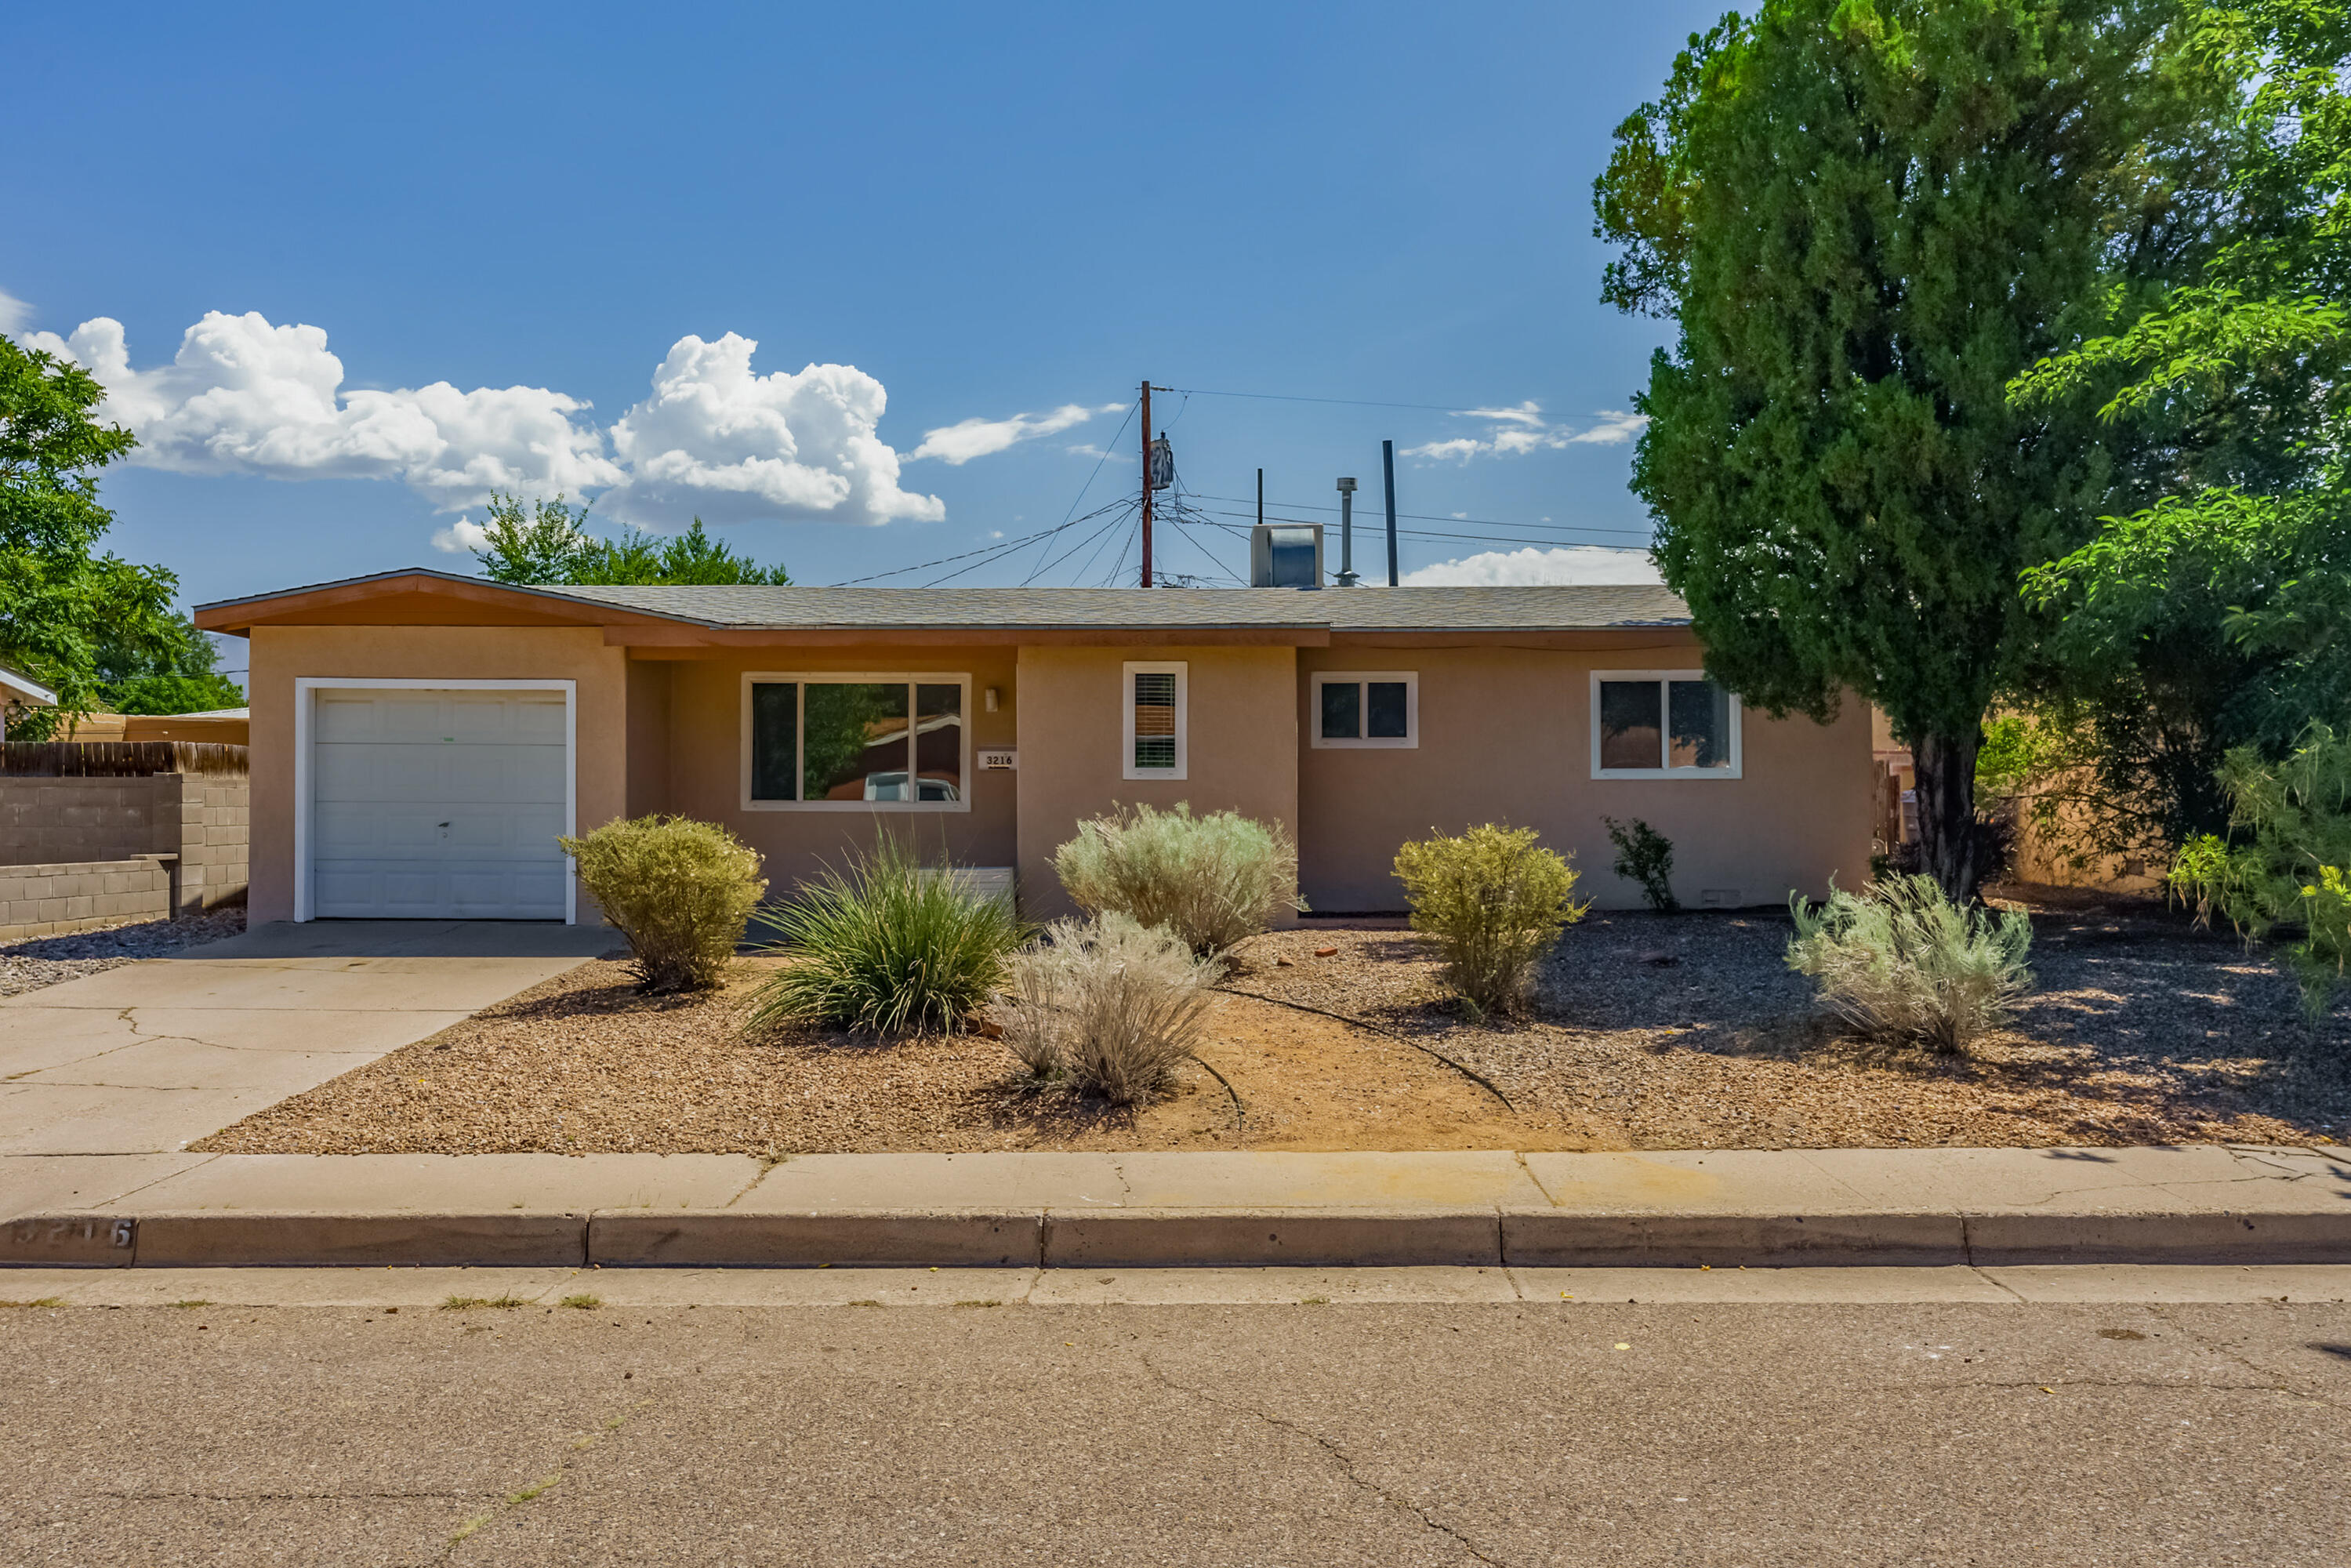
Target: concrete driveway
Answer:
pixel 144 1059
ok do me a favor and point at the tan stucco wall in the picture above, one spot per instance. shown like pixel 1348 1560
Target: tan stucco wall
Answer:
pixel 281 654
pixel 1506 738
pixel 705 751
pixel 1241 737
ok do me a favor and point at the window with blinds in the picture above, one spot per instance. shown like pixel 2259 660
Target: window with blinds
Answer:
pixel 1154 724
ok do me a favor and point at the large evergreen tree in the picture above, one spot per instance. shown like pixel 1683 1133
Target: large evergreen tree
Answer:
pixel 1867 216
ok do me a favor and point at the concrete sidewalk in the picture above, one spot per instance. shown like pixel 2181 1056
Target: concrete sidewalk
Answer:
pixel 1915 1207
pixel 149 1058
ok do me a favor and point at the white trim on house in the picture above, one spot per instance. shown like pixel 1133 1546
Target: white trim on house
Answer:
pixel 1665 726
pixel 1408 741
pixel 1127 672
pixel 304 685
pixel 962 681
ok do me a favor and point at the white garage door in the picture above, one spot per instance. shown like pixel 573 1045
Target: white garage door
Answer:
pixel 437 805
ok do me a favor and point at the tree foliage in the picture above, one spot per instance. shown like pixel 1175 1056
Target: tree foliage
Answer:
pixel 2219 616
pixel 1867 216
pixel 547 542
pixel 69 617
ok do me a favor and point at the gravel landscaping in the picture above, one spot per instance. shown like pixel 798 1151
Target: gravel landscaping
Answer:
pixel 1683 1031
pixel 32 962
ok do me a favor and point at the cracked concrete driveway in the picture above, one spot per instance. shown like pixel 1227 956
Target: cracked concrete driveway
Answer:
pixel 148 1058
pixel 1510 1433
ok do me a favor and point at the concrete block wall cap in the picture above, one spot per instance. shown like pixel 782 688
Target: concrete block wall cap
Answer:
pixel 69 1241
pixel 1232 1237
pixel 216 1239
pixel 963 1239
pixel 1565 1238
pixel 2245 1236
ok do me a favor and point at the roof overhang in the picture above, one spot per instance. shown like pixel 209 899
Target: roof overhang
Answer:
pixel 24 689
pixel 415 597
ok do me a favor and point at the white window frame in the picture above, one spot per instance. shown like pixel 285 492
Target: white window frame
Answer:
pixel 1181 671
pixel 961 680
pixel 1410 739
pixel 1665 726
pixel 304 685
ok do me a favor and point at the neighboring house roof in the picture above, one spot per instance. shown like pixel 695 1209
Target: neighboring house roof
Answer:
pixel 749 608
pixel 26 689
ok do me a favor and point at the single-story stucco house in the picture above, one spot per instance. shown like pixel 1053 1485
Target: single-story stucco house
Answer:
pixel 419 738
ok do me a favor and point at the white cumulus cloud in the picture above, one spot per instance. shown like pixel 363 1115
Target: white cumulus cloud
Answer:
pixel 1565 564
pixel 959 442
pixel 464 536
pixel 13 314
pixel 244 396
pixel 1517 430
pixel 720 441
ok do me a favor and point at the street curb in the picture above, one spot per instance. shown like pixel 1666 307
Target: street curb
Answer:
pixel 1238 1236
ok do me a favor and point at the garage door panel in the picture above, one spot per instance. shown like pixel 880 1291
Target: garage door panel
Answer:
pixel 439 804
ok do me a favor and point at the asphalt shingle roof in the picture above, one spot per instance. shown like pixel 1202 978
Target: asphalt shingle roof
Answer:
pixel 1077 609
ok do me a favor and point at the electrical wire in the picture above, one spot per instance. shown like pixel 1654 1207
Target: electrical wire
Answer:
pixel 1427 516
pixel 1343 402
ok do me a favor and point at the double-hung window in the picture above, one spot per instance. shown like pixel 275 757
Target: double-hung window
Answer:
pixel 856 742
pixel 1364 710
pixel 1663 724
pixel 1154 732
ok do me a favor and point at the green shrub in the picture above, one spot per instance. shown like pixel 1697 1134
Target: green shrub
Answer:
pixel 1495 901
pixel 1107 1004
pixel 679 890
pixel 889 946
pixel 2290 861
pixel 1211 880
pixel 1646 856
pixel 1901 963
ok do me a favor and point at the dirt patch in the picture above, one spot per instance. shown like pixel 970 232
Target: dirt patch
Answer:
pixel 1648 1032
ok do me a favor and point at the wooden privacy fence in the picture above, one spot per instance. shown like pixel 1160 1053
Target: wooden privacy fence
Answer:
pixel 117 759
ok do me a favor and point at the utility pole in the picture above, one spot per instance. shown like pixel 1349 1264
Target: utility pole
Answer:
pixel 1387 477
pixel 1146 481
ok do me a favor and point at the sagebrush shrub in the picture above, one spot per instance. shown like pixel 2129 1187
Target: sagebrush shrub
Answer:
pixel 1646 856
pixel 1108 1005
pixel 1211 880
pixel 886 946
pixel 1902 963
pixel 1495 901
pixel 679 890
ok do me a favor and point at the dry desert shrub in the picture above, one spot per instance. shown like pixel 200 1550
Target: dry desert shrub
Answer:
pixel 1108 1005
pixel 679 890
pixel 1903 964
pixel 1495 901
pixel 1210 880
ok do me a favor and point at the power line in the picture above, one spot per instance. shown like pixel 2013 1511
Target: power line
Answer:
pixel 1342 401
pixel 1427 516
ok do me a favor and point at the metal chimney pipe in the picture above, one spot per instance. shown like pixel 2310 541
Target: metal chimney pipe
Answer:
pixel 1387 475
pixel 1347 577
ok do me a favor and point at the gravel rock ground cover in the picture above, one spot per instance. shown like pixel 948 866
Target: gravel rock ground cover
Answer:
pixel 1646 1031
pixel 32 962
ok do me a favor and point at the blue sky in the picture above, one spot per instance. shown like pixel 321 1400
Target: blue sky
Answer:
pixel 988 211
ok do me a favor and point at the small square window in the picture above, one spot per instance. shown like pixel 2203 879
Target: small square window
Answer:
pixel 1359 710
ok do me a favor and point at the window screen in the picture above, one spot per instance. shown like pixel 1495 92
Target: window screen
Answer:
pixel 1629 728
pixel 1386 713
pixel 1154 719
pixel 1700 715
pixel 1343 702
pixel 774 740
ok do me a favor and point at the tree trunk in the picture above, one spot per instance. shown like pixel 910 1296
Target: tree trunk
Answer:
pixel 1946 766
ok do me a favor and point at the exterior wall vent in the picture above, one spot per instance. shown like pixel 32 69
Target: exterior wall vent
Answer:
pixel 1286 555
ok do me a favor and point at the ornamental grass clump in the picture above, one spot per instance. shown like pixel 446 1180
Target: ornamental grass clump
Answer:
pixel 1210 880
pixel 1903 965
pixel 1496 902
pixel 1107 1005
pixel 679 890
pixel 887 945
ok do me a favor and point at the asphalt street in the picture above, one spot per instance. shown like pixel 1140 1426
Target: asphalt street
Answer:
pixel 1306 1431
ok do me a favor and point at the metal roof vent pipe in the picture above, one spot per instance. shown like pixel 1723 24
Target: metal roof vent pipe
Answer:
pixel 1347 577
pixel 1286 555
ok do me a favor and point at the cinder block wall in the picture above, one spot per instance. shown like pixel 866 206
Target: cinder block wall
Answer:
pixel 43 900
pixel 200 819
